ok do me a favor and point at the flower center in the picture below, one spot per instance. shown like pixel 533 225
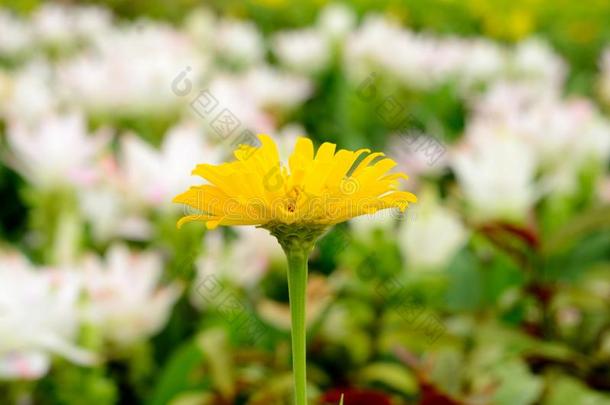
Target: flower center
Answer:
pixel 293 197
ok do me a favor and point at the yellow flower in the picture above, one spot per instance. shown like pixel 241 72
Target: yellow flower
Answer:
pixel 296 204
pixel 314 190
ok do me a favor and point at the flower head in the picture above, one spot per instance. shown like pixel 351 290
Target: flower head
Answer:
pixel 315 190
pixel 39 318
pixel 124 294
pixel 38 150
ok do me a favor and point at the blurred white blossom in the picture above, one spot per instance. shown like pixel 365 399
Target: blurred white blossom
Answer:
pixel 255 97
pixel 200 24
pixel 62 25
pixel 39 317
pixel 154 176
pixel 274 89
pixel 408 149
pixel 124 296
pixel 336 20
pixel 420 61
pixel 130 70
pixel 239 42
pixel 484 61
pixel 306 50
pixel 233 93
pixel 91 22
pixel 496 174
pixel 433 238
pixel 534 59
pixel 565 136
pixel 103 205
pixel 243 262
pixel 16 36
pixel 30 93
pixel 53 23
pixel 57 150
pixel 364 225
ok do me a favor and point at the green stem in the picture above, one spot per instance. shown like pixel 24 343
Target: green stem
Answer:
pixel 297 287
pixel 297 241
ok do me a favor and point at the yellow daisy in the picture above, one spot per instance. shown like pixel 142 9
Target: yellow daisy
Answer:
pixel 318 190
pixel 296 204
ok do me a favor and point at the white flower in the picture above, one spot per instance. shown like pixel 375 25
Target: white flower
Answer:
pixel 429 241
pixel 91 22
pixel 242 262
pixel 154 176
pixel 534 59
pixel 538 118
pixel 363 53
pixel 420 61
pixel 588 148
pixel 39 317
pixel 253 96
pixel 15 35
pixel 56 151
pixel 61 25
pixel 483 61
pixel 131 70
pixel 595 139
pixel 53 24
pixel 277 90
pixel 564 135
pixel 102 208
pixel 336 20
pixel 30 94
pixel 590 131
pixel 418 153
pixel 505 98
pixel 200 24
pixel 239 42
pixel 106 211
pixel 306 50
pixel 103 205
pixel 233 94
pixel 365 225
pixel 496 173
pixel 124 296
pixel 423 61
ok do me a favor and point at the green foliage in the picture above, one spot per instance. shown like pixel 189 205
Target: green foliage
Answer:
pixel 72 385
pixel 183 372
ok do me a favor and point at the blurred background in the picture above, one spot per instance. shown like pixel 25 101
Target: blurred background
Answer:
pixel 493 289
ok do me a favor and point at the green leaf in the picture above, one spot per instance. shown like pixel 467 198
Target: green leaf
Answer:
pixel 567 391
pixel 577 228
pixel 392 375
pixel 180 373
pixel 518 385
pixel 213 343
pixel 194 398
pixel 465 283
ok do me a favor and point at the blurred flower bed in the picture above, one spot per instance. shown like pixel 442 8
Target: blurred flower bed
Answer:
pixel 493 289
